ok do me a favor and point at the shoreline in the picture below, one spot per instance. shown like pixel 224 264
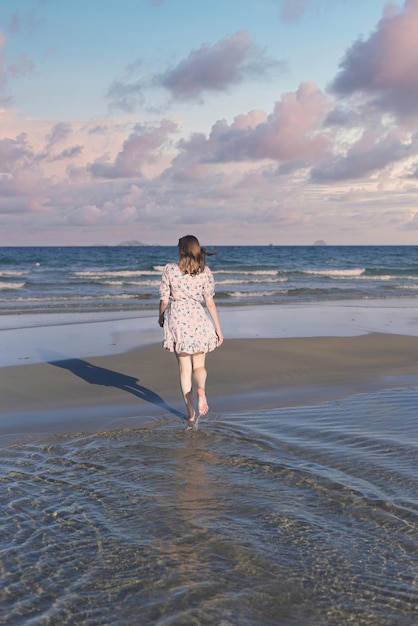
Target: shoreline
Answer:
pixel 105 374
pixel 29 339
pixel 131 389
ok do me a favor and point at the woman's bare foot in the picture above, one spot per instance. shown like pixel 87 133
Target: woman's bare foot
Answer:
pixel 202 403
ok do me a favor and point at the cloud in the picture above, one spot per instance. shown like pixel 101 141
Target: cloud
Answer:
pixel 216 68
pixel 24 23
pixel 385 65
pixel 59 133
pixel 142 147
pixel 85 215
pixel 25 190
pixel 210 69
pixel 368 155
pixel 412 224
pixel 293 9
pixel 127 91
pixel 292 131
pixel 22 66
pixel 4 91
pixel 69 153
pixel 14 153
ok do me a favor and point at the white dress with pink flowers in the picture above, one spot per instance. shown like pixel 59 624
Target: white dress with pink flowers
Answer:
pixel 187 327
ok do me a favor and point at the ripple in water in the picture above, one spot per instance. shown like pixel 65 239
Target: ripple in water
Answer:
pixel 302 515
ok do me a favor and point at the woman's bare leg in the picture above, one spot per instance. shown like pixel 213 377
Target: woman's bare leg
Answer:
pixel 199 377
pixel 186 374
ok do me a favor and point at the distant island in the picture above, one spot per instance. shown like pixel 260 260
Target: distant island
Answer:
pixel 319 242
pixel 132 242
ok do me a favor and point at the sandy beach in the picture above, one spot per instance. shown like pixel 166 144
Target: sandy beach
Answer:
pixel 67 384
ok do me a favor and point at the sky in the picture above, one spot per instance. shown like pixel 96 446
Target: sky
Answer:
pixel 243 122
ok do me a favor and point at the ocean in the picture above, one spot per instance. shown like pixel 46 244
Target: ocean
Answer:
pixel 300 516
pixel 108 279
pixel 295 516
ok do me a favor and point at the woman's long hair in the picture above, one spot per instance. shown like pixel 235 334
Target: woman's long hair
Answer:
pixel 192 257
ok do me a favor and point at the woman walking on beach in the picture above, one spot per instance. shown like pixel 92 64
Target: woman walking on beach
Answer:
pixel 188 331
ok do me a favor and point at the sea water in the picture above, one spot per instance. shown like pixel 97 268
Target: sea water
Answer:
pixel 119 278
pixel 295 516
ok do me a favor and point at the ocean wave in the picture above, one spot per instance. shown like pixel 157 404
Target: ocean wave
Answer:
pixel 256 294
pixel 13 273
pixel 12 285
pixel 119 273
pixel 248 272
pixel 243 281
pixel 243 272
pixel 52 299
pixel 336 273
pixel 132 283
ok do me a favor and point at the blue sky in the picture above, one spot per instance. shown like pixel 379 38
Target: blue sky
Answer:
pixel 241 121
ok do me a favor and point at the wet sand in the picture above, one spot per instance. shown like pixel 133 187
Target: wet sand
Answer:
pixel 81 393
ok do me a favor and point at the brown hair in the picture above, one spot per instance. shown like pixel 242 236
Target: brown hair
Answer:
pixel 192 257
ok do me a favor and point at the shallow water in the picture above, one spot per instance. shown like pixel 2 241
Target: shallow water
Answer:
pixel 304 515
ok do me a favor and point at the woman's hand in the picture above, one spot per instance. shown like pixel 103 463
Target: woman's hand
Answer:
pixel 220 338
pixel 161 320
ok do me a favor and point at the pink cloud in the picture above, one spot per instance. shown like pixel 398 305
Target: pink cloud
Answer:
pixel 59 133
pixel 292 131
pixel 371 153
pixel 26 190
pixel 68 153
pixel 215 68
pixel 385 65
pixel 142 146
pixel 14 153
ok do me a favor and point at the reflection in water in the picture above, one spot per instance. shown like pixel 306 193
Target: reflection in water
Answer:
pixel 305 515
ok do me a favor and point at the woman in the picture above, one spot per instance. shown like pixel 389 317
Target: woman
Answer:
pixel 188 331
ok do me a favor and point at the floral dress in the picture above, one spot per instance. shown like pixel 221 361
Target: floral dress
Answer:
pixel 187 327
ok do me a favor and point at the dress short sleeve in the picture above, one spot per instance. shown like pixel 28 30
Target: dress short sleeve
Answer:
pixel 165 285
pixel 209 284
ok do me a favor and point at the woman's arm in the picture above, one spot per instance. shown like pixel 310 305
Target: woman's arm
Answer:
pixel 162 308
pixel 213 312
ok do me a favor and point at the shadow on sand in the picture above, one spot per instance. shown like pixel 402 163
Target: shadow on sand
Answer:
pixel 108 378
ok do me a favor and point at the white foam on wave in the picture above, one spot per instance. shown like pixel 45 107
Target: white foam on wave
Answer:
pixel 248 272
pixel 134 283
pixel 237 281
pixel 12 285
pixel 117 274
pixel 336 273
pixel 256 294
pixel 12 273
pixel 52 299
pixel 410 287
